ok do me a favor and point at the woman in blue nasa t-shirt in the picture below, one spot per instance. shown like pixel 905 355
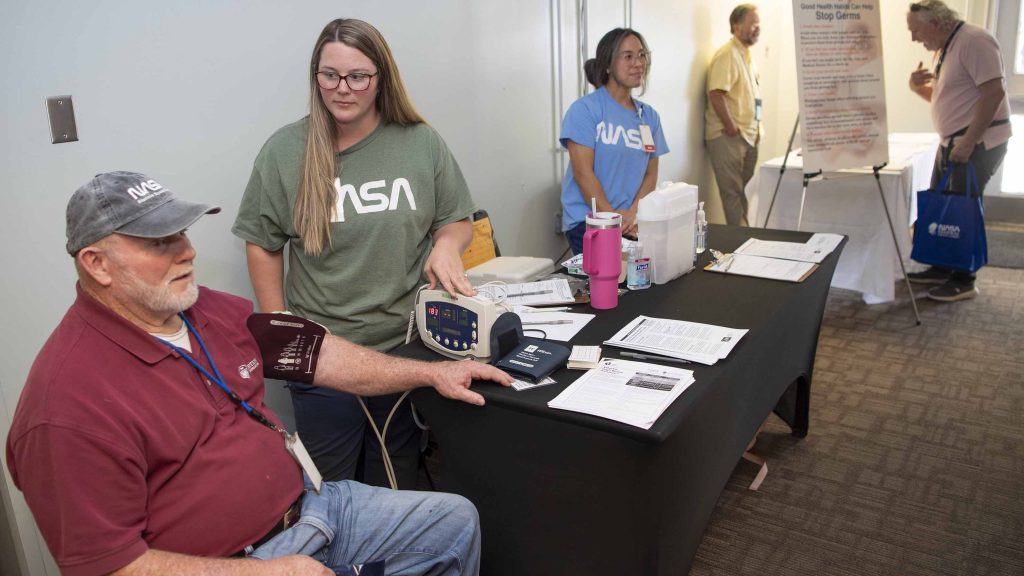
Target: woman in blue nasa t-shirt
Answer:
pixel 613 140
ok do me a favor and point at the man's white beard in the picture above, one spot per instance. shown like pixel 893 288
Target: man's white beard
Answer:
pixel 159 299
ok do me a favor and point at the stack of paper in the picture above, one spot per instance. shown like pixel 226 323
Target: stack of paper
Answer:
pixel 692 341
pixel 790 261
pixel 762 267
pixel 814 250
pixel 560 326
pixel 541 293
pixel 584 358
pixel 634 393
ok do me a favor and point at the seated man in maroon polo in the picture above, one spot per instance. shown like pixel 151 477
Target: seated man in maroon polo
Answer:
pixel 141 441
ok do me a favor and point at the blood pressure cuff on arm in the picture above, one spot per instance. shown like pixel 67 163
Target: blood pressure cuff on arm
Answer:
pixel 289 345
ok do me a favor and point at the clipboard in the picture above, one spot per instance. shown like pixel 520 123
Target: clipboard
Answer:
pixel 763 267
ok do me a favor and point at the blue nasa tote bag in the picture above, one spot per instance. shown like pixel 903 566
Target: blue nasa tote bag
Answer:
pixel 950 229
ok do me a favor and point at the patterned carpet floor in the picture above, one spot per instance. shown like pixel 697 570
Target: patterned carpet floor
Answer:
pixel 1005 244
pixel 914 464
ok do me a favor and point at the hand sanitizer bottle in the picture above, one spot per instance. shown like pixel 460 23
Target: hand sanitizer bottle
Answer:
pixel 638 275
pixel 700 242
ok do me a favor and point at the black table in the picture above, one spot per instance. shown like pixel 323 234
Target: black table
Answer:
pixel 562 493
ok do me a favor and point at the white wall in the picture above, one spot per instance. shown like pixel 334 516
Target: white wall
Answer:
pixel 188 91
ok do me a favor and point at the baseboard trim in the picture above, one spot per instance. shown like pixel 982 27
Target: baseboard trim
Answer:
pixel 1004 209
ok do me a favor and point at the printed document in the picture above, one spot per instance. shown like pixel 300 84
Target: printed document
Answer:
pixel 762 267
pixel 543 293
pixel 560 326
pixel 692 341
pixel 521 385
pixel 634 393
pixel 814 250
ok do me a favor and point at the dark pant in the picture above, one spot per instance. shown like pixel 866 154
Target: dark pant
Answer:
pixel 985 162
pixel 575 237
pixel 334 430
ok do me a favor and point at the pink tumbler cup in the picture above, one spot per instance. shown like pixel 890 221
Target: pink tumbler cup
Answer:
pixel 602 258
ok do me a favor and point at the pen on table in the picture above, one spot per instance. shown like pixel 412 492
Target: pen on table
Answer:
pixel 722 262
pixel 558 309
pixel 547 322
pixel 728 262
pixel 658 358
pixel 536 293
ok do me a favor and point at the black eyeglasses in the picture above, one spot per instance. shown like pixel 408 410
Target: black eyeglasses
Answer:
pixel 357 81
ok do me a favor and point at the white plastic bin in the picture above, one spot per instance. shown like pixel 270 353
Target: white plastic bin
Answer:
pixel 667 219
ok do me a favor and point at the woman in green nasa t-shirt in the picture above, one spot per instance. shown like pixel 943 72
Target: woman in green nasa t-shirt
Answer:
pixel 368 199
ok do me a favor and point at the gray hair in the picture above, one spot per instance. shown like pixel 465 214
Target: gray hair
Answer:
pixel 936 12
pixel 739 13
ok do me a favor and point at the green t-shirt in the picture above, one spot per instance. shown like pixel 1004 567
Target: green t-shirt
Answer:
pixel 393 189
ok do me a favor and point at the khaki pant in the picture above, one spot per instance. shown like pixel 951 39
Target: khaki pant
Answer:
pixel 733 161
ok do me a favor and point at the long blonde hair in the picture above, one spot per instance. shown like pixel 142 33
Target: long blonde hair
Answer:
pixel 315 201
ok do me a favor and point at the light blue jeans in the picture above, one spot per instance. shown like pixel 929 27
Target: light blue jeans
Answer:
pixel 350 524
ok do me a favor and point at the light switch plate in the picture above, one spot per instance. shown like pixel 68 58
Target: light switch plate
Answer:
pixel 62 119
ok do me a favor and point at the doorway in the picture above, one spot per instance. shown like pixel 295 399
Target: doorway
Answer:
pixel 1004 198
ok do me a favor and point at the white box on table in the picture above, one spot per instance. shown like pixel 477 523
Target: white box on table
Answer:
pixel 667 219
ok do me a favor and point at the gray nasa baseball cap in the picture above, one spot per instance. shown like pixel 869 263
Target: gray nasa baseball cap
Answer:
pixel 127 203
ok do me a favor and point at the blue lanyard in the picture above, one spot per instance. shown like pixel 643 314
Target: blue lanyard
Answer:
pixel 216 377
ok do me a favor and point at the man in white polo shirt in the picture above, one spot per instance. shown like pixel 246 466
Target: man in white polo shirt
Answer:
pixel 970 111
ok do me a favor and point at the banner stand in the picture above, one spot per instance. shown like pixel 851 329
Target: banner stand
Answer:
pixel 782 171
pixel 841 88
pixel 899 255
pixel 803 196
pixel 881 194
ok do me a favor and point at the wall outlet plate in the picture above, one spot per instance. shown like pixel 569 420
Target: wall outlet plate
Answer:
pixel 62 119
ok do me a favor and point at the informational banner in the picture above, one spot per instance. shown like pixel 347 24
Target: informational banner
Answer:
pixel 841 84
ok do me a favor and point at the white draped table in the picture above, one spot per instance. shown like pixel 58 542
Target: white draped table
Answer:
pixel 847 202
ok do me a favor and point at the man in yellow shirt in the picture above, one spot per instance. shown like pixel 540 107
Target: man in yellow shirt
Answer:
pixel 733 116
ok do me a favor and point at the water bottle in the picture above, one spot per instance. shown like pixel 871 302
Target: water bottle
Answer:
pixel 602 258
pixel 638 275
pixel 631 266
pixel 700 241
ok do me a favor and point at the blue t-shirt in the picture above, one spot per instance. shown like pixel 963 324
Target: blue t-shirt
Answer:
pixel 597 121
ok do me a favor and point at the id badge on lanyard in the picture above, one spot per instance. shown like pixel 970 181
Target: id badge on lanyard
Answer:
pixel 757 109
pixel 297 449
pixel 292 443
pixel 646 136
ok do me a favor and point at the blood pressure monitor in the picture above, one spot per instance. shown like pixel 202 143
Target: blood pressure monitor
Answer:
pixel 457 326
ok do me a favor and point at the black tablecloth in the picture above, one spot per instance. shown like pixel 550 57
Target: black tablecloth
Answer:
pixel 566 493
